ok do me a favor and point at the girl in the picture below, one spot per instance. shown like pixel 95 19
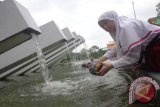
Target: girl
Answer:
pixel 132 37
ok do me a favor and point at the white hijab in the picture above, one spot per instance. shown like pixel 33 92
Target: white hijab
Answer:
pixel 129 32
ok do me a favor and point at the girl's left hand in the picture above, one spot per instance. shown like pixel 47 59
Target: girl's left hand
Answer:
pixel 106 67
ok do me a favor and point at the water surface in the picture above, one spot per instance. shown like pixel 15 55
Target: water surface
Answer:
pixel 71 86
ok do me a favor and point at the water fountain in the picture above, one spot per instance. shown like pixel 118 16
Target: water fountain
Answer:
pixel 70 38
pixel 68 51
pixel 87 53
pixel 41 60
pixel 22 58
pixel 64 49
pixel 51 41
pixel 75 45
pixel 76 59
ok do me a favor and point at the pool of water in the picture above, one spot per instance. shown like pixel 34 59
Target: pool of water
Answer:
pixel 70 86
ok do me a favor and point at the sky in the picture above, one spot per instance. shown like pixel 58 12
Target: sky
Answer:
pixel 81 16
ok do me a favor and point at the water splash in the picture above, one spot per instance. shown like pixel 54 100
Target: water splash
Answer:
pixel 41 59
pixel 59 87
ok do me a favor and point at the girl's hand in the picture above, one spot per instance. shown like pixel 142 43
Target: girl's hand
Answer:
pixel 106 67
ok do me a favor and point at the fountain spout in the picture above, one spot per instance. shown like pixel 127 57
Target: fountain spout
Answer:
pixel 16 25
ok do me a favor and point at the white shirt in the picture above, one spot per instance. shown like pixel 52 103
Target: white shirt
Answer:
pixel 125 60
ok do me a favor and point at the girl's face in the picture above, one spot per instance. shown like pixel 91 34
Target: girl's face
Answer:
pixel 108 25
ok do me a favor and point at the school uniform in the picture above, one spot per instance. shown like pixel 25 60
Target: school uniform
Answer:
pixel 132 36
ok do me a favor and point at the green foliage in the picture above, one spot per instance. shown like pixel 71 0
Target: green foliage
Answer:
pixel 96 52
pixel 93 52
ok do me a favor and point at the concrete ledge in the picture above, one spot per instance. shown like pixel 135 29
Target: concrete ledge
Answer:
pixel 16 25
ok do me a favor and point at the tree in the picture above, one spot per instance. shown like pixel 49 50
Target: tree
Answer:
pixel 94 48
pixel 96 52
pixel 84 53
pixel 158 9
pixel 93 52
